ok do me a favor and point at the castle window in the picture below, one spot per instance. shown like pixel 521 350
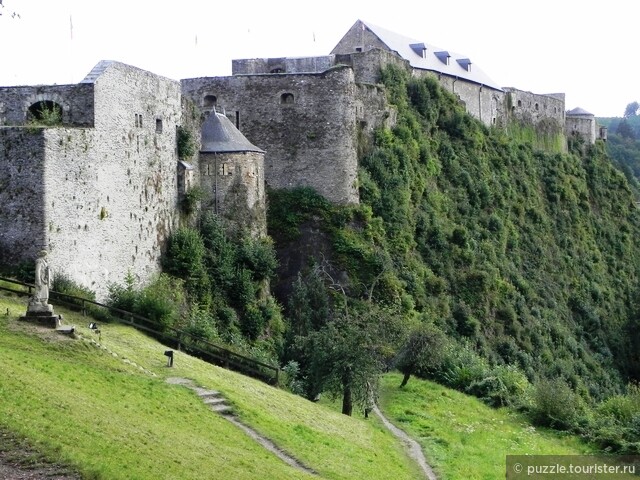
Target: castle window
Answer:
pixel 277 70
pixel 358 49
pixel 537 107
pixel 519 103
pixel 286 98
pixel 209 101
pixel 138 120
pixel 225 169
pixel 45 111
pixel 158 125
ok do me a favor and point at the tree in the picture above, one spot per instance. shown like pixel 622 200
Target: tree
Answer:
pixel 347 355
pixel 423 350
pixel 632 109
pixel 625 130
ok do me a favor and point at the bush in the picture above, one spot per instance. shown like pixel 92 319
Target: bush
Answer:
pixel 63 284
pixel 556 405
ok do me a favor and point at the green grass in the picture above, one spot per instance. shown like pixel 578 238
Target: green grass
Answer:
pixel 109 413
pixel 462 437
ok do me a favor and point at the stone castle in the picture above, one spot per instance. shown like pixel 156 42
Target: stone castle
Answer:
pixel 102 188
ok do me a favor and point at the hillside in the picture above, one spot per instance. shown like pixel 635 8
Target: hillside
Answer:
pixel 107 412
pixel 518 253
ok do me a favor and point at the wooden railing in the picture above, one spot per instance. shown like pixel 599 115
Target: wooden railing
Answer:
pixel 172 337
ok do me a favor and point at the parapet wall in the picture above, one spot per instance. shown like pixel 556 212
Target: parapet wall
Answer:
pixel 306 123
pixel 76 102
pixel 258 66
pixel 536 110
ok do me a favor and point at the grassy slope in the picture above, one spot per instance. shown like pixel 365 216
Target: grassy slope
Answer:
pixel 112 420
pixel 461 436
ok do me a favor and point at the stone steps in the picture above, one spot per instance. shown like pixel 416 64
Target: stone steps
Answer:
pixel 215 401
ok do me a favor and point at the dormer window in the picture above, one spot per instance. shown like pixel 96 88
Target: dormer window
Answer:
pixel 419 49
pixel 443 57
pixel 465 63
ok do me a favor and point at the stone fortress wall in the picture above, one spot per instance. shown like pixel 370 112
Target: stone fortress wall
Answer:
pixel 102 190
pixel 76 103
pixel 104 198
pixel 306 123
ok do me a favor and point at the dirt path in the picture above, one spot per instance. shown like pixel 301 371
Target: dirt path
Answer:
pixel 413 448
pixel 18 461
pixel 228 415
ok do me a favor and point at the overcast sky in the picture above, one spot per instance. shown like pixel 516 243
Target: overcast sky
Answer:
pixel 585 49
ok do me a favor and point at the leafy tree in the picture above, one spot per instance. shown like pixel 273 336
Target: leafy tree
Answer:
pixel 347 355
pixel 625 130
pixel 423 350
pixel 632 109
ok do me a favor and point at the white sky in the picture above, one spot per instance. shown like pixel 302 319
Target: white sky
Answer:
pixel 583 48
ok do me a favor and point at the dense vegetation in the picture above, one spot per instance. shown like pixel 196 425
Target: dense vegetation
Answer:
pixel 476 258
pixel 522 260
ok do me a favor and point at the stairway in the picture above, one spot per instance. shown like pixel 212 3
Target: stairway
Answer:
pixel 214 400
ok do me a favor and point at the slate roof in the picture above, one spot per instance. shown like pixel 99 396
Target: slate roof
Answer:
pixel 219 135
pixel 408 48
pixel 579 112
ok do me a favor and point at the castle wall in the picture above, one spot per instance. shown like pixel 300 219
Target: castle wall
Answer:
pixel 484 103
pixel 111 193
pixel 305 122
pixel 233 186
pixel 257 66
pixel 367 65
pixel 538 110
pixel 22 194
pixel 76 102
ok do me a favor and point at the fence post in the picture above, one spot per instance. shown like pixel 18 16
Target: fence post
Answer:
pixel 84 308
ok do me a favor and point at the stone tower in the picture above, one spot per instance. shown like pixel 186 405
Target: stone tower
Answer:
pixel 232 177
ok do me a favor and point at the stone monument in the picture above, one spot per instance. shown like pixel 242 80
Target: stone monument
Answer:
pixel 39 310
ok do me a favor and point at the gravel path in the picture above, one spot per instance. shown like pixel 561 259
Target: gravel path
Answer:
pixel 413 448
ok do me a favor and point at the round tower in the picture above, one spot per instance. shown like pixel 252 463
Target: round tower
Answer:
pixel 232 177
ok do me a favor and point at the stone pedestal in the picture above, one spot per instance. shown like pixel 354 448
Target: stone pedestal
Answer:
pixel 42 315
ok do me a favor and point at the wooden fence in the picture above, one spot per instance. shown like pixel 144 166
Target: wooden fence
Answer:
pixel 169 336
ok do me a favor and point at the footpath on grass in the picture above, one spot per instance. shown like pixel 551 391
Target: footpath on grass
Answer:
pixel 413 448
pixel 217 404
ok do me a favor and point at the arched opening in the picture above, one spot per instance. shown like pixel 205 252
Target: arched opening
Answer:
pixel 519 103
pixel 45 112
pixel 537 107
pixel 286 98
pixel 210 101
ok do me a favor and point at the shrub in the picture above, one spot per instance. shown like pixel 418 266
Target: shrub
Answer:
pixel 186 144
pixel 556 405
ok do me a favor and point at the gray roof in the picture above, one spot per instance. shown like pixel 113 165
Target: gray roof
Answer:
pixel 408 48
pixel 579 112
pixel 98 70
pixel 219 135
